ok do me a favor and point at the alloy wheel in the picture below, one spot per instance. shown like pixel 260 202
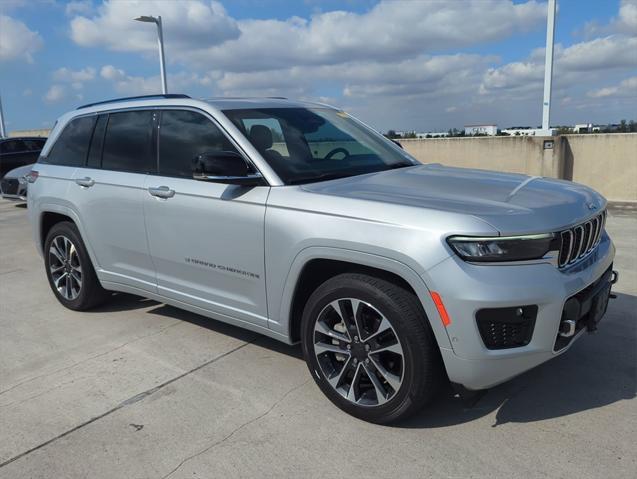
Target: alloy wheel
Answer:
pixel 359 352
pixel 65 267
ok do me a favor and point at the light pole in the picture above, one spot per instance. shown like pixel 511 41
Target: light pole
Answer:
pixel 548 68
pixel 160 44
pixel 3 132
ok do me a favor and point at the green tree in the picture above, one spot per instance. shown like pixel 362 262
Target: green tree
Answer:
pixel 623 127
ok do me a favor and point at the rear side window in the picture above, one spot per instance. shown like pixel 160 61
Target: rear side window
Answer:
pixel 33 145
pixel 71 147
pixel 184 135
pixel 12 146
pixel 97 141
pixel 128 142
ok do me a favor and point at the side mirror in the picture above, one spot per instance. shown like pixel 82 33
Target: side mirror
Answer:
pixel 397 143
pixel 224 167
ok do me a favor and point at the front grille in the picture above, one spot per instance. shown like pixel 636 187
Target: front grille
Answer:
pixel 578 241
pixel 504 328
pixel 9 186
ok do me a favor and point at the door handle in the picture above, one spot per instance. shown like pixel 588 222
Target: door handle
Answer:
pixel 86 182
pixel 161 192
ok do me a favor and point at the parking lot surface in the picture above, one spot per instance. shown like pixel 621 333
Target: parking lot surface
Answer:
pixel 137 389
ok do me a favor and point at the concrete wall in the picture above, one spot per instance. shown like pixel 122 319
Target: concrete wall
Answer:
pixel 606 162
pixel 43 132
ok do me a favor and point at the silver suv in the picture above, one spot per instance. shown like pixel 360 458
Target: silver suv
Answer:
pixel 296 221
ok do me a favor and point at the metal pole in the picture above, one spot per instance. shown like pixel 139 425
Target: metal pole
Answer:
pixel 162 62
pixel 548 67
pixel 3 132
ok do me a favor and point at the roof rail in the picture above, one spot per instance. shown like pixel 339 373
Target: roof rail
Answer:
pixel 142 97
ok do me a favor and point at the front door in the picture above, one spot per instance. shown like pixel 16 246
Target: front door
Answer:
pixel 206 239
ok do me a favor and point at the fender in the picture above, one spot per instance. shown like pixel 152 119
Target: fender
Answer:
pixel 46 207
pixel 284 324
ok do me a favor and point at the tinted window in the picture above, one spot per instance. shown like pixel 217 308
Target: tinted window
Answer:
pixel 184 135
pixel 12 146
pixel 127 144
pixel 33 145
pixel 71 147
pixel 95 151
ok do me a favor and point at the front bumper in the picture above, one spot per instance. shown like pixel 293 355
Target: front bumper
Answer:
pixel 13 189
pixel 467 288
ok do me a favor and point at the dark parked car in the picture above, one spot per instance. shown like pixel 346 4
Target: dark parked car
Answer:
pixel 14 184
pixel 15 152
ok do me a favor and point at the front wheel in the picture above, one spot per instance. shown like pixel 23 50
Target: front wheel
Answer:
pixel 369 347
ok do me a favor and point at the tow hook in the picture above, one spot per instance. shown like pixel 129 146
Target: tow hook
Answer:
pixel 567 328
pixel 614 277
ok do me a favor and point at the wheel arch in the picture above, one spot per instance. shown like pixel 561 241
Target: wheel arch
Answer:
pixel 52 214
pixel 313 266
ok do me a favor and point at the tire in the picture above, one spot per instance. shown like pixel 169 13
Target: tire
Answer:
pixel 419 371
pixel 73 282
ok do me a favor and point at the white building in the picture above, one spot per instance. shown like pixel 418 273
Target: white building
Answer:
pixel 471 130
pixel 583 128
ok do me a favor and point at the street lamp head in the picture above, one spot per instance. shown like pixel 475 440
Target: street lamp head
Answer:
pixel 147 19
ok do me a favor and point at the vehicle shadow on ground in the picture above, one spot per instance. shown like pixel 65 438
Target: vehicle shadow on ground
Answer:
pixel 598 370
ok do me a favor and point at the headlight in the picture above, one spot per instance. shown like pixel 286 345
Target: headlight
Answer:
pixel 503 248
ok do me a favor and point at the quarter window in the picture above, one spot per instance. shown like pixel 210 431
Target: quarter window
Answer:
pixel 128 142
pixel 184 135
pixel 71 147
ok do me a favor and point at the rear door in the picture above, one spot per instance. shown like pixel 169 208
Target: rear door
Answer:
pixel 108 191
pixel 206 239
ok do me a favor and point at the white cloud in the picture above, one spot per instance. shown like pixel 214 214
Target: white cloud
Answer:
pixel 16 40
pixel 66 75
pixel 140 85
pixel 202 35
pixel 626 88
pixel 55 93
pixel 600 55
pixel 109 72
pixel 390 31
pixel 186 24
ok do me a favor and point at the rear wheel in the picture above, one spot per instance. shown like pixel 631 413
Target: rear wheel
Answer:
pixel 69 269
pixel 369 347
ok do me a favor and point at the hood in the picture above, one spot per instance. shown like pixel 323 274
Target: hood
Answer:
pixel 511 203
pixel 19 172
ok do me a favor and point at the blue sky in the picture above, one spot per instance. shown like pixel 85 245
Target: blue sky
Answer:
pixel 424 65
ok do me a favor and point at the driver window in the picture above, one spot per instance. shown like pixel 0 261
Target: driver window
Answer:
pixel 184 135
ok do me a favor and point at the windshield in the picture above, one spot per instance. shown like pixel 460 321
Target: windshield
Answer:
pixel 303 145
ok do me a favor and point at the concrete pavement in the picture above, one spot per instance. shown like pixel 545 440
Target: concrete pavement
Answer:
pixel 137 389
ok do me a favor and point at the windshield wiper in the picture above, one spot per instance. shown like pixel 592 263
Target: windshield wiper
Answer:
pixel 319 177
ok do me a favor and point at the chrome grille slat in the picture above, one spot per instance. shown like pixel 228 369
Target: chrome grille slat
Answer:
pixel 566 248
pixel 579 240
pixel 586 238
